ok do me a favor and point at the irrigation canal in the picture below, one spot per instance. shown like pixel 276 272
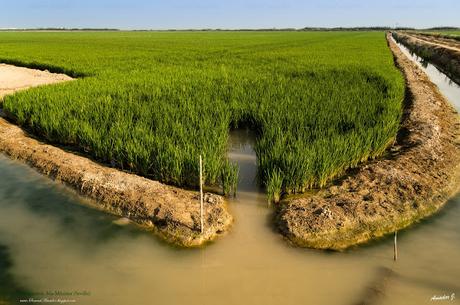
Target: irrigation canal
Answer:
pixel 51 244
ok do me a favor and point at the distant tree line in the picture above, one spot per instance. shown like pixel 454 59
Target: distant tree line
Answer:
pixel 374 28
pixel 61 29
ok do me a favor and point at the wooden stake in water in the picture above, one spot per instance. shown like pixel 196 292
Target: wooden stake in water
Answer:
pixel 201 194
pixel 395 249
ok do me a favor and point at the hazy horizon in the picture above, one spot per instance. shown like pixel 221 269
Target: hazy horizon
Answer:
pixel 238 14
pixel 218 29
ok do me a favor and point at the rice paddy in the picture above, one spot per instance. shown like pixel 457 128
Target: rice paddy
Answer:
pixel 152 102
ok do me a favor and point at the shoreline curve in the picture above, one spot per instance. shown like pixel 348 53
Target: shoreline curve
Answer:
pixel 419 174
pixel 172 213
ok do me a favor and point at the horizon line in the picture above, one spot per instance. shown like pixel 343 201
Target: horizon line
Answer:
pixel 227 29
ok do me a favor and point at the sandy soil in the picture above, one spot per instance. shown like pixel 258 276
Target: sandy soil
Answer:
pixel 417 177
pixel 14 78
pixel 172 213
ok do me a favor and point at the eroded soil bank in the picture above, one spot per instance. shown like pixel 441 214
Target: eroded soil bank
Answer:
pixel 171 212
pixel 444 53
pixel 417 177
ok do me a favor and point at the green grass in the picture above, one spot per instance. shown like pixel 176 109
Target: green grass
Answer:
pixel 152 102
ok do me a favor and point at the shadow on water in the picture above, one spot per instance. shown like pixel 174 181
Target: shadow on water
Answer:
pixel 49 200
pixel 10 290
pixel 241 150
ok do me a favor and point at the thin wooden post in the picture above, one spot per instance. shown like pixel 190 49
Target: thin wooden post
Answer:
pixel 201 195
pixel 395 248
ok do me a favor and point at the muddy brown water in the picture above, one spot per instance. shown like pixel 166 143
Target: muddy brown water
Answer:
pixel 53 247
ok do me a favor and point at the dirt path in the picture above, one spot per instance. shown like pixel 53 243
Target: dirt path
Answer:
pixel 417 177
pixel 172 213
pixel 435 41
pixel 439 40
pixel 14 78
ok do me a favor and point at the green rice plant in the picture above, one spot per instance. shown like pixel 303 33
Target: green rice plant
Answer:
pixel 151 102
pixel 230 178
pixel 274 186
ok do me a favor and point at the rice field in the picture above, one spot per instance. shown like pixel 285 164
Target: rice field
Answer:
pixel 152 102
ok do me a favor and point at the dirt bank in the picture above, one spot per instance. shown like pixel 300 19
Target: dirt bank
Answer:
pixel 446 56
pixel 417 177
pixel 171 212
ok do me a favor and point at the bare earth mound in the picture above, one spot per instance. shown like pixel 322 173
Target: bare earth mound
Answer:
pixel 173 213
pixel 386 195
pixel 14 78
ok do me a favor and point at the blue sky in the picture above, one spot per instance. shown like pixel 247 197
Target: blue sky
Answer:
pixel 180 14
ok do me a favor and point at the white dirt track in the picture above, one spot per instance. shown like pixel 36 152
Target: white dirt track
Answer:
pixel 14 78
